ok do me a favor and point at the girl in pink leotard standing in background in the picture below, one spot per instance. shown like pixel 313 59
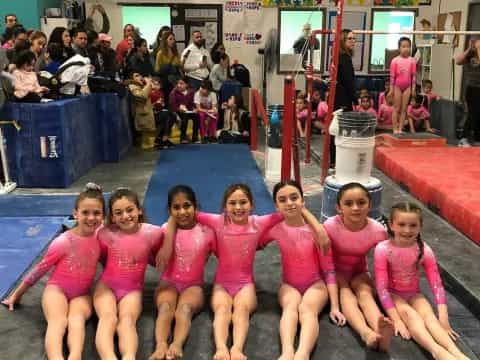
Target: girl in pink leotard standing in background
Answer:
pixel 402 82
pixel 238 236
pixel 126 243
pixel 397 275
pixel 66 300
pixel 180 294
pixel 353 234
pixel 303 293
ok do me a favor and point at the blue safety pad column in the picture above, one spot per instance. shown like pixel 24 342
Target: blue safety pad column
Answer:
pixel 57 143
pixel 21 242
pixel 113 125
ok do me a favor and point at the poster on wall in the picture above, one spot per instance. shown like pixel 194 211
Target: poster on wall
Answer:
pixel 245 23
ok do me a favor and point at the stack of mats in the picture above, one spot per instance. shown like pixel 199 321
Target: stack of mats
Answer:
pixel 444 178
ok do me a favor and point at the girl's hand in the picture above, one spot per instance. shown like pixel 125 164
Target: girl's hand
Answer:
pixel 446 325
pixel 323 239
pixel 163 257
pixel 11 301
pixel 401 329
pixel 337 317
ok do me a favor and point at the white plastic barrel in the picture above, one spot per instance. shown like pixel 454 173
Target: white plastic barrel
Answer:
pixel 355 143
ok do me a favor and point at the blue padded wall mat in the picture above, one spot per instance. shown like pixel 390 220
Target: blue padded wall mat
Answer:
pixel 38 205
pixel 208 169
pixel 21 241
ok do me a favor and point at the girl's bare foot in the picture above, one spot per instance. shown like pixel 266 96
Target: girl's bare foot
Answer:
pixel 160 352
pixel 222 354
pixel 386 331
pixel 174 352
pixel 287 355
pixel 236 354
pixel 371 339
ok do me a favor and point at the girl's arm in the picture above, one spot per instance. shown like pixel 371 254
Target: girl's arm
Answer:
pixel 435 282
pixel 335 314
pixel 328 270
pixel 413 71
pixel 55 252
pixel 322 239
pixel 163 255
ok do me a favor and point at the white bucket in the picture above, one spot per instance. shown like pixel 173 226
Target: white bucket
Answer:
pixel 354 160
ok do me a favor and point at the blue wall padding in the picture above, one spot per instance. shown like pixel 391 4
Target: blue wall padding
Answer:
pixel 73 124
pixel 113 122
pixel 208 169
pixel 21 241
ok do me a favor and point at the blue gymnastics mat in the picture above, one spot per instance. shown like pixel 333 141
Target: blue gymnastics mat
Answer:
pixel 36 205
pixel 208 169
pixel 21 241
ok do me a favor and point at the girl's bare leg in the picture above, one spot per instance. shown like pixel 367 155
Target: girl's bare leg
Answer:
pixel 351 309
pixel 424 309
pixel 166 301
pixel 289 299
pixel 403 109
pixel 418 330
pixel 312 303
pixel 189 303
pixel 79 312
pixel 55 308
pixel 244 303
pixel 129 310
pixel 105 305
pixel 397 105
pixel 222 309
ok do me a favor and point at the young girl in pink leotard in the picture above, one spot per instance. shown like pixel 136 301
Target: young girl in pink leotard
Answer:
pixel 303 293
pixel 397 275
pixel 66 300
pixel 126 243
pixel 238 234
pixel 353 234
pixel 402 82
pixel 180 294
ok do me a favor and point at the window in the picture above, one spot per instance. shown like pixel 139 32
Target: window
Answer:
pixel 382 47
pixel 294 23
pixel 149 19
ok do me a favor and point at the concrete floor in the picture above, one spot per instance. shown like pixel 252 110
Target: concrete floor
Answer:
pixel 21 332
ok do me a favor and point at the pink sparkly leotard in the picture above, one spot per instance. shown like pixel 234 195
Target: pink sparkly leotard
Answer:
pixel 191 250
pixel 322 110
pixel 351 247
pixel 302 262
pixel 75 259
pixel 236 247
pixel 402 72
pixel 396 272
pixel 127 257
pixel 418 114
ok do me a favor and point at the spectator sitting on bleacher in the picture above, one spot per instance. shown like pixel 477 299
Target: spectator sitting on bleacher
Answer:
pixel 55 57
pixel 217 49
pixel 38 40
pixel 79 43
pixel 164 119
pixel 385 113
pixel 219 72
pixel 180 101
pixel 236 123
pixel 61 35
pixel 20 42
pixel 139 59
pixel 10 22
pixel 26 86
pixel 126 44
pixel 105 57
pixel 366 105
pixel 144 120
pixel 206 106
pixel 167 61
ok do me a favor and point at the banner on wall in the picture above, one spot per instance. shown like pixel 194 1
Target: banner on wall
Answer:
pixel 243 19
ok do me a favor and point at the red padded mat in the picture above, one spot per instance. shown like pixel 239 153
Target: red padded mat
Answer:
pixel 445 178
